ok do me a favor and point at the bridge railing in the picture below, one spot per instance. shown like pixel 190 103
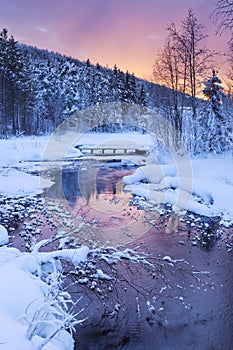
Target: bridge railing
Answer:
pixel 111 151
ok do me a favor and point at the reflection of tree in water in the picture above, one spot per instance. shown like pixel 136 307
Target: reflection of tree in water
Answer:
pixel 70 184
pixel 94 195
pixel 93 181
pixel 108 180
pixel 67 186
pixel 87 182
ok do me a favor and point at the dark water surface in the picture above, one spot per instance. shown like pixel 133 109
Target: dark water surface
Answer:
pixel 207 322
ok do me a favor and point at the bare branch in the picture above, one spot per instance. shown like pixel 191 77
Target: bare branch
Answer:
pixel 223 16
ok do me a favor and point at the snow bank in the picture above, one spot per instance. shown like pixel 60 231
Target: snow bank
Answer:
pixel 21 155
pixel 29 148
pixel 33 309
pixel 208 192
pixel 14 151
pixel 152 173
pixel 18 149
pixel 94 139
pixel 18 183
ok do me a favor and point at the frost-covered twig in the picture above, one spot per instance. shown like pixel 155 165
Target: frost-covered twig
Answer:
pixel 126 269
pixel 52 316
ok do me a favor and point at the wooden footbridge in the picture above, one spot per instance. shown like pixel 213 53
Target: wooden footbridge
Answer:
pixel 111 151
pixel 116 150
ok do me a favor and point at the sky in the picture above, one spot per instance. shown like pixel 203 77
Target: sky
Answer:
pixel 127 33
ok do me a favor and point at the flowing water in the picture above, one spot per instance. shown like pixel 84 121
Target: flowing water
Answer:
pixel 205 323
pixel 95 194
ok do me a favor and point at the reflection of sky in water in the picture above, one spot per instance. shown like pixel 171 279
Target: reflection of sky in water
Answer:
pixel 98 192
pixel 91 182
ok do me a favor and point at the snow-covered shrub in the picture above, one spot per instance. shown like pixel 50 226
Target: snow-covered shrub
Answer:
pixel 32 303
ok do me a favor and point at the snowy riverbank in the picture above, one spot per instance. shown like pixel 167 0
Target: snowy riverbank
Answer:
pixel 201 185
pixel 21 157
pixel 205 189
pixel 34 312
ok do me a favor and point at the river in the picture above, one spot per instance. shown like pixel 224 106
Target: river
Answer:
pixel 204 318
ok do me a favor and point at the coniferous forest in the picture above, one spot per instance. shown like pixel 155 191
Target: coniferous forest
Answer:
pixel 40 89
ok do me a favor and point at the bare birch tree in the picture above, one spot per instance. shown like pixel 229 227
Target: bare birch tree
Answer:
pixel 223 17
pixel 182 65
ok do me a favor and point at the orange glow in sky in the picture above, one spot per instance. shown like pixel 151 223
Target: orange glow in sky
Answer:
pixel 122 32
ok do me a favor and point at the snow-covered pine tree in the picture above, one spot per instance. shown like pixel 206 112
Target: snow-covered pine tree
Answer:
pixel 15 86
pixel 213 91
pixel 142 99
pixel 3 36
pixel 133 89
pixel 113 84
pixel 129 93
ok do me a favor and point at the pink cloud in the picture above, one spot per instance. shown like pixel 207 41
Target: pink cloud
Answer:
pixel 125 32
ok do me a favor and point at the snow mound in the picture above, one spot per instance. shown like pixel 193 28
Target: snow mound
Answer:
pixel 4 240
pixel 26 184
pixel 33 308
pixel 152 173
pixel 208 191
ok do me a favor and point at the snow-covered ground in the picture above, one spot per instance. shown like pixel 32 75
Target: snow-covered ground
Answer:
pixel 20 156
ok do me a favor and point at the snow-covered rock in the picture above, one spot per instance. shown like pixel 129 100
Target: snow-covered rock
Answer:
pixel 152 173
pixel 206 188
pixel 4 239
